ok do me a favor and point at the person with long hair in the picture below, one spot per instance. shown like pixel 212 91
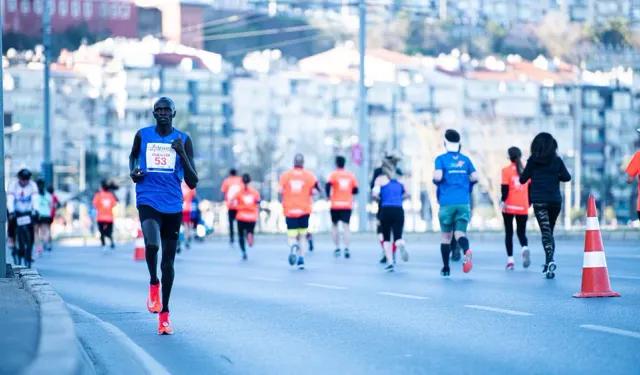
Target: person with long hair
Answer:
pixel 515 205
pixel 246 201
pixel 545 170
pixel 42 204
pixel 390 192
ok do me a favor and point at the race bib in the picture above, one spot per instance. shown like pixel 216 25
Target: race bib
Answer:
pixel 247 199
pixel 296 185
pixel 160 158
pixel 24 220
pixel 343 183
pixel 106 203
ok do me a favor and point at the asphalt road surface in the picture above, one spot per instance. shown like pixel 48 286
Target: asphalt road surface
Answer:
pixel 344 316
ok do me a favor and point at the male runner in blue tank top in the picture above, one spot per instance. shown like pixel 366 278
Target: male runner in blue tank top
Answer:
pixel 160 158
pixel 454 174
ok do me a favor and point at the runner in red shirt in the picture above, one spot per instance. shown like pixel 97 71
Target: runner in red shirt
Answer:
pixel 341 186
pixel 230 186
pixel 633 170
pixel 104 201
pixel 246 202
pixel 515 204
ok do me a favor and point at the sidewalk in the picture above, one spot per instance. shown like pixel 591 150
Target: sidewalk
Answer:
pixel 19 324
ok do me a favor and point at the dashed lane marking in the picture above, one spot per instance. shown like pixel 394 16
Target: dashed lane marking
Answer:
pixel 260 278
pixel 408 296
pixel 327 286
pixel 615 331
pixel 499 310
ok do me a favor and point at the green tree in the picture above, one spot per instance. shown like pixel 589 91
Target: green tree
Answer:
pixel 615 33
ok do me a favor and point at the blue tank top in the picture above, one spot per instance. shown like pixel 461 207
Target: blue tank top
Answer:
pixel 161 186
pixel 391 194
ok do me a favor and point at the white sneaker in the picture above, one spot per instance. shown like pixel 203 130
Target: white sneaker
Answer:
pixel 526 257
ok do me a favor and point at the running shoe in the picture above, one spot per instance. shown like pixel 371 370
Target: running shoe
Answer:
pixel 549 270
pixel 310 239
pixel 510 266
pixel 383 259
pixel 336 253
pixel 455 254
pixel 244 255
pixel 347 255
pixel 467 265
pixel 389 268
pixel 445 272
pixel 164 326
pixel 250 239
pixel 293 255
pixel 153 302
pixel 526 257
pixel 403 253
pixel 300 263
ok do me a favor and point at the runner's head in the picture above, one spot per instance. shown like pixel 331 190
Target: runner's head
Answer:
pixel 340 161
pixel 452 141
pixel 50 189
pixel 246 178
pixel 104 184
pixel 544 147
pixel 298 161
pixel 164 110
pixel 24 176
pixel 233 172
pixel 40 184
pixel 515 156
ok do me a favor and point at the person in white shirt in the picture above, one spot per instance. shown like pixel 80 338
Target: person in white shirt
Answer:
pixel 20 195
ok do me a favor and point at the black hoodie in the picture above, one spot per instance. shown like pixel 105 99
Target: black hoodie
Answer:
pixel 545 175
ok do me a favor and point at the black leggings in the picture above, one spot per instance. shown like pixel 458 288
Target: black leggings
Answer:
pixel 244 228
pixel 106 231
pixel 521 229
pixel 391 221
pixel 157 226
pixel 231 214
pixel 547 214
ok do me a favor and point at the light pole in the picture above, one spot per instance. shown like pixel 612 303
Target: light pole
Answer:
pixel 47 166
pixel 3 193
pixel 363 125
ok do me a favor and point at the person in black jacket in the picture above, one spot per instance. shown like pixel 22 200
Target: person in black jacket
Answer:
pixel 545 169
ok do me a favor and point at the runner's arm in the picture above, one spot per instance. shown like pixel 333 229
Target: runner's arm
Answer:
pixel 564 173
pixel 526 173
pixel 11 199
pixel 134 156
pixel 633 168
pixel 189 167
pixel 438 171
pixel 327 188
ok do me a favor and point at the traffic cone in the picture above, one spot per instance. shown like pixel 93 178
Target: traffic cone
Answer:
pixel 595 276
pixel 138 251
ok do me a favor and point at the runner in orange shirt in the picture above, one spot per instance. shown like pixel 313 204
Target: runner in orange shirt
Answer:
pixel 230 186
pixel 633 170
pixel 341 186
pixel 104 201
pixel 246 201
pixel 515 204
pixel 187 195
pixel 297 187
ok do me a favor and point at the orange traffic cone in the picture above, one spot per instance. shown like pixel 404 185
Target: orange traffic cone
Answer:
pixel 595 276
pixel 138 251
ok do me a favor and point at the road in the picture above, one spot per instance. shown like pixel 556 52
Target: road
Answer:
pixel 348 317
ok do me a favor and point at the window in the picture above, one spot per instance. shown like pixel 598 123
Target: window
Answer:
pixel 88 9
pixel 561 125
pixel 63 8
pixel 114 10
pixel 75 8
pixel 104 10
pixel 37 6
pixel 25 7
pixel 125 11
pixel 12 5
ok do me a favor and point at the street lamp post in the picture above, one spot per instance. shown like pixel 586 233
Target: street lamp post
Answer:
pixel 47 166
pixel 363 125
pixel 3 193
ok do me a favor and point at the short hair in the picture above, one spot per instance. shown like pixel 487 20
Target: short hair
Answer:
pixel 340 161
pixel 233 172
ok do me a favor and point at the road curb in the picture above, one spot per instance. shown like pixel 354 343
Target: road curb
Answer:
pixel 57 342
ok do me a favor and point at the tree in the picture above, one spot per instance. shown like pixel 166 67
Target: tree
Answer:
pixel 561 38
pixel 521 40
pixel 615 33
pixel 261 162
pixel 392 36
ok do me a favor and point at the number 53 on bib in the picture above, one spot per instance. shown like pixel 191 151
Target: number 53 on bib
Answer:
pixel 160 157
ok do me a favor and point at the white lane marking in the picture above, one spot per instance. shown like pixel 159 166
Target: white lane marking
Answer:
pixel 326 286
pixel 496 309
pixel 616 331
pixel 594 259
pixel 625 277
pixel 409 296
pixel 150 365
pixel 593 223
pixel 260 278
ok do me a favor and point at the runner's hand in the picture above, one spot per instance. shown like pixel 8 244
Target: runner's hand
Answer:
pixel 177 145
pixel 137 175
